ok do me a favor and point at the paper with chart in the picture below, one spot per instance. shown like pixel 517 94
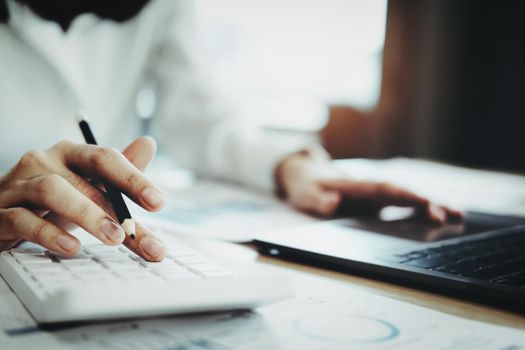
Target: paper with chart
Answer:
pixel 224 211
pixel 324 315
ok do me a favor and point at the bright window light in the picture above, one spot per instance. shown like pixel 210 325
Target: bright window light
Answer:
pixel 286 60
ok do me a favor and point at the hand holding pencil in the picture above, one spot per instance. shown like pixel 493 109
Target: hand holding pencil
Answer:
pixel 48 192
pixel 115 197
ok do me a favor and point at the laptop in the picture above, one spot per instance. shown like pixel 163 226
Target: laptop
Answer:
pixel 481 258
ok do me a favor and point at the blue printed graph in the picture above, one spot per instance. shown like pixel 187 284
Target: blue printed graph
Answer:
pixel 346 328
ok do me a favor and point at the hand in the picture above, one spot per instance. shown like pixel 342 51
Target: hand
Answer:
pixel 48 191
pixel 311 184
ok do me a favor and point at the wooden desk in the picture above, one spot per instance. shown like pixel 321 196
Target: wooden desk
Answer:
pixel 449 305
pixel 453 306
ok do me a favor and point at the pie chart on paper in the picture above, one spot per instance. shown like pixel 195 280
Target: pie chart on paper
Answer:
pixel 347 328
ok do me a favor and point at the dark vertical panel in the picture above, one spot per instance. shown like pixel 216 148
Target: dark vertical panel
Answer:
pixel 457 93
pixel 488 109
pixel 3 11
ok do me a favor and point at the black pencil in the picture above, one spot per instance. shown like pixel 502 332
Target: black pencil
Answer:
pixel 115 197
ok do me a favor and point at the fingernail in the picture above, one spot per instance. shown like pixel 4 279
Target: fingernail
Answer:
pixel 67 243
pixel 152 246
pixel 112 231
pixel 152 197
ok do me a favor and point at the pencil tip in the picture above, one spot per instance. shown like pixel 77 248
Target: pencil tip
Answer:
pixel 129 228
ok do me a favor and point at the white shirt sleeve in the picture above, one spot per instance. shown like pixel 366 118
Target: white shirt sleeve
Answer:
pixel 193 122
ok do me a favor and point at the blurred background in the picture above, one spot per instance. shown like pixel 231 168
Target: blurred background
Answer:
pixel 443 80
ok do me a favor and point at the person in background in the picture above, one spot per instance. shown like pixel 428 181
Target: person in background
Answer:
pixel 59 55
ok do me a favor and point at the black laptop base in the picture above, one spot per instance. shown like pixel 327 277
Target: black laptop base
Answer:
pixel 500 296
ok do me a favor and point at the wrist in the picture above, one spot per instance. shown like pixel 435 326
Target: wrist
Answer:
pixel 296 165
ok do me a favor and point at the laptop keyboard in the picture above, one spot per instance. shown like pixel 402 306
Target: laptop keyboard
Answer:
pixel 498 259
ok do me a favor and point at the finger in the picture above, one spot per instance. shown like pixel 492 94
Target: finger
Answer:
pixel 382 193
pixel 316 200
pixel 5 233
pixel 435 213
pixel 108 164
pixel 60 221
pixel 141 152
pixel 454 215
pixel 441 214
pixel 93 193
pixel 327 202
pixel 30 227
pixel 56 194
pixel 146 244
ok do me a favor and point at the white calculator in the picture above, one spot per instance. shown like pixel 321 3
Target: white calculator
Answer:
pixel 103 282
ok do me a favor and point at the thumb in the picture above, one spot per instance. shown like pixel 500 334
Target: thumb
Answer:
pixel 141 152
